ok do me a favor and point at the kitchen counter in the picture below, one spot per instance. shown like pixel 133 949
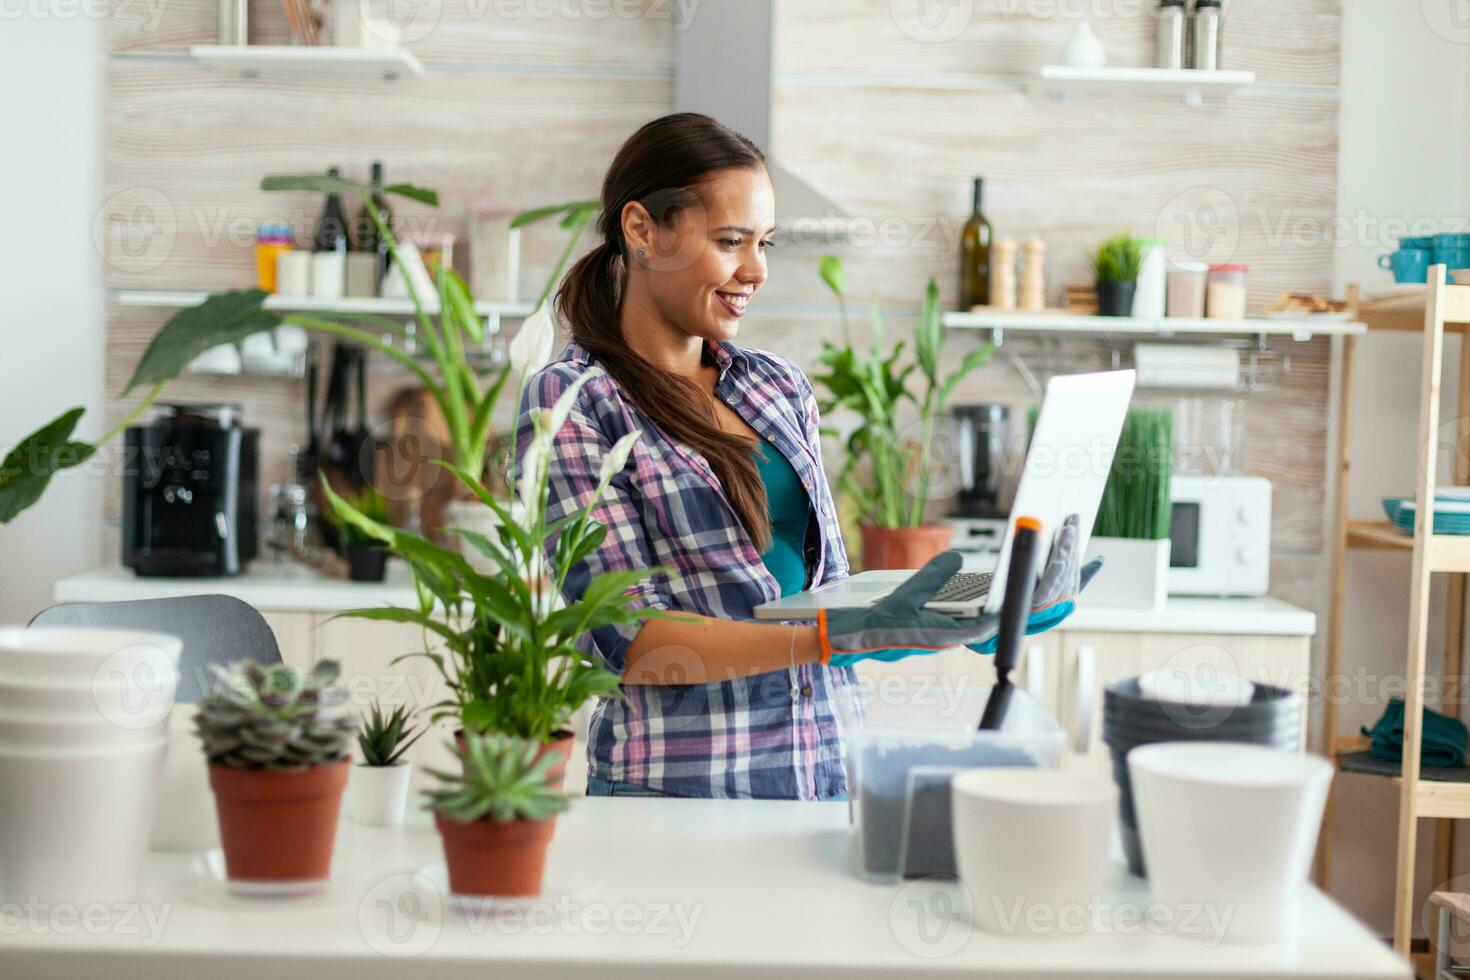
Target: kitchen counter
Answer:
pixel 299 588
pixel 646 888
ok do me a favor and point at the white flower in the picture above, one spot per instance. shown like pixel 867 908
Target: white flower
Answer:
pixel 613 462
pixel 531 348
pixel 563 407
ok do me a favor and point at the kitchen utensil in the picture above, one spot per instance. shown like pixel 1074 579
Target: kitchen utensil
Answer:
pixel 1259 810
pixel 339 453
pixel 1031 838
pixel 1015 609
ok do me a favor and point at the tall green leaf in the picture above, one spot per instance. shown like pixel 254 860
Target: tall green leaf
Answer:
pixel 830 268
pixel 28 468
pixel 224 318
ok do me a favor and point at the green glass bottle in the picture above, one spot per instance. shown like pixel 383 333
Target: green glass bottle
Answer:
pixel 975 254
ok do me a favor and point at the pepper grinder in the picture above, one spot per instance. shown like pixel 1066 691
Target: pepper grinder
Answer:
pixel 1003 275
pixel 1033 275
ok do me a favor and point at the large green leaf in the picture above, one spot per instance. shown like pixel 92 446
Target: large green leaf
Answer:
pixel 540 214
pixel 28 468
pixel 929 334
pixel 974 360
pixel 224 318
pixel 421 194
pixel 833 274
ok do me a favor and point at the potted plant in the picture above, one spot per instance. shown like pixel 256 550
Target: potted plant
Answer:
pixel 367 559
pixel 378 789
pixel 446 326
pixel 277 740
pixel 496 816
pixel 1134 517
pixel 888 466
pixel 511 657
pixel 1115 267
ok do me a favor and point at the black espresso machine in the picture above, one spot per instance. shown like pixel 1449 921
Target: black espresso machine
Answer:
pixel 190 492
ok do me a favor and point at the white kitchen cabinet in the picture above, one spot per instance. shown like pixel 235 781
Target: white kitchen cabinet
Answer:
pixel 1091 660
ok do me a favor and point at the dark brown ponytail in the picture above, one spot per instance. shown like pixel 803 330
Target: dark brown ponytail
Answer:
pixel 658 167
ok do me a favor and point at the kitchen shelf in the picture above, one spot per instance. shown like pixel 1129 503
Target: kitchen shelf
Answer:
pixel 1297 328
pixel 1404 309
pixel 1192 85
pixel 1377 536
pixel 383 306
pixel 253 60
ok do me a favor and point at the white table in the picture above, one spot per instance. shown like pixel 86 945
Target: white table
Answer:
pixel 640 889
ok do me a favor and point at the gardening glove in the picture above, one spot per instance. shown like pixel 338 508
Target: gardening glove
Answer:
pixel 874 633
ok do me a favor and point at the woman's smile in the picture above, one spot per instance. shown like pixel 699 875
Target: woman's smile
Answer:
pixel 734 303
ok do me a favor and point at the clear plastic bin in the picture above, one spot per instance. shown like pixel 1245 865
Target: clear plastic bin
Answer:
pixel 902 745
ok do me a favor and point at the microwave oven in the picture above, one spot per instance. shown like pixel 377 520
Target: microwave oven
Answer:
pixel 1220 536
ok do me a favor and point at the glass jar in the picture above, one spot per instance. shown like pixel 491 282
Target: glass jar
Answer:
pixel 1225 292
pixel 1187 289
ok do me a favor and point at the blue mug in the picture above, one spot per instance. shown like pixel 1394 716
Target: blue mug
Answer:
pixel 1408 264
pixel 1423 241
pixel 1452 251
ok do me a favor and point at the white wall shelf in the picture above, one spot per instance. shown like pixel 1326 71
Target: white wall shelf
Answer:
pixel 383 306
pixel 1193 86
pixel 1297 328
pixel 252 60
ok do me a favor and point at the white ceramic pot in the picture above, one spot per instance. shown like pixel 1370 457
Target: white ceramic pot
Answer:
pixel 185 819
pixel 1028 841
pixel 73 732
pixel 74 824
pixel 1135 574
pixel 73 655
pixel 378 795
pixel 1229 829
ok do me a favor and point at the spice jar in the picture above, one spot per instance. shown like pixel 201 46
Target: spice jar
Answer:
pixel 1225 292
pixel 270 242
pixel 1187 289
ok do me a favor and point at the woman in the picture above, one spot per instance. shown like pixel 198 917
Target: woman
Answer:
pixel 725 486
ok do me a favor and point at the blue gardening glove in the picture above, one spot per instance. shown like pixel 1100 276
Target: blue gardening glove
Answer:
pixel 873 633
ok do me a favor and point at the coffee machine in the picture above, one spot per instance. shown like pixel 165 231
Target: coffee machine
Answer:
pixel 980 435
pixel 190 492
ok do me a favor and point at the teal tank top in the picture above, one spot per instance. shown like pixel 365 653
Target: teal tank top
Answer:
pixel 787 504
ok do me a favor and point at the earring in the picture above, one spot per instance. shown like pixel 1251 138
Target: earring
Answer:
pixel 640 253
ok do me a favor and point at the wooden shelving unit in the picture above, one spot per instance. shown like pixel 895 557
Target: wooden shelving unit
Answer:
pixel 383 306
pixel 1192 85
pixel 301 60
pixel 1432 311
pixel 1059 321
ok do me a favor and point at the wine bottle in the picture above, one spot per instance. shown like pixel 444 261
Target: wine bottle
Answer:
pixel 975 254
pixel 370 239
pixel 331 227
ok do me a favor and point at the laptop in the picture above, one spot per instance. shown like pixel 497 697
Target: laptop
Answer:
pixel 1067 465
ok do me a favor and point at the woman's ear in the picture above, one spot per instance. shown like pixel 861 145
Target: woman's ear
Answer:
pixel 638 228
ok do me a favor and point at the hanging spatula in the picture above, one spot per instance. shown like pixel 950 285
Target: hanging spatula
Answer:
pixel 1015 609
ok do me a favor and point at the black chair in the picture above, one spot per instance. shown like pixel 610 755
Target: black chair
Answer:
pixel 216 629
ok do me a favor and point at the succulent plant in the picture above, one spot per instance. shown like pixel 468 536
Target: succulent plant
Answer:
pixel 275 717
pixel 383 739
pixel 502 780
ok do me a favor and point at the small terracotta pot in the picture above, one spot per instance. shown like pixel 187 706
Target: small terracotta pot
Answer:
pixel 560 744
pixel 903 547
pixel 278 826
pixel 501 859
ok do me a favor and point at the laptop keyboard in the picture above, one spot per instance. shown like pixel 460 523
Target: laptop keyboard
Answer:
pixel 964 587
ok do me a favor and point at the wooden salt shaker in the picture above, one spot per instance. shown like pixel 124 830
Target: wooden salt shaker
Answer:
pixel 1033 275
pixel 1003 274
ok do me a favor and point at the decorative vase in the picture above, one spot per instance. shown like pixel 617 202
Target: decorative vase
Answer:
pixel 377 796
pixel 903 547
pixel 1084 49
pixel 501 859
pixel 1135 573
pixel 367 563
pixel 278 825
pixel 1116 298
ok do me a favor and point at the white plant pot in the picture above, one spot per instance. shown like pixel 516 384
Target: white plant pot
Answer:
pixel 1031 838
pixel 74 824
pixel 75 655
pixel 1135 574
pixel 378 795
pixel 1230 827
pixel 185 819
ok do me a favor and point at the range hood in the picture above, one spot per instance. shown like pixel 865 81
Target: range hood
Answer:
pixel 723 68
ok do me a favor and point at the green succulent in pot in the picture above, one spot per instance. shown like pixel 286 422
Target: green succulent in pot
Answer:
pixel 277 740
pixel 1115 268
pixel 383 738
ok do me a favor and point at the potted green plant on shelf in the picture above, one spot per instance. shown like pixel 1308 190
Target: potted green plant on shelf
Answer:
pixel 367 559
pixel 504 644
pixel 1134 517
pixel 277 741
pixel 377 791
pixel 496 816
pixel 888 463
pixel 1115 268
pixel 449 330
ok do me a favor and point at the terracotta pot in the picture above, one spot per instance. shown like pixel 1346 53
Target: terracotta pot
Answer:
pixel 278 826
pixel 501 859
pixel 560 744
pixel 903 547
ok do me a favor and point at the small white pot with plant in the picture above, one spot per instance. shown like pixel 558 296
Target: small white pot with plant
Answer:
pixel 377 790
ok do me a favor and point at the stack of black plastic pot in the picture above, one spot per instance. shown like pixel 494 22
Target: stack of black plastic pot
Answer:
pixel 1272 717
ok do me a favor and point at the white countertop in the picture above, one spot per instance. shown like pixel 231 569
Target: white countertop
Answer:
pixel 647 888
pixel 298 588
